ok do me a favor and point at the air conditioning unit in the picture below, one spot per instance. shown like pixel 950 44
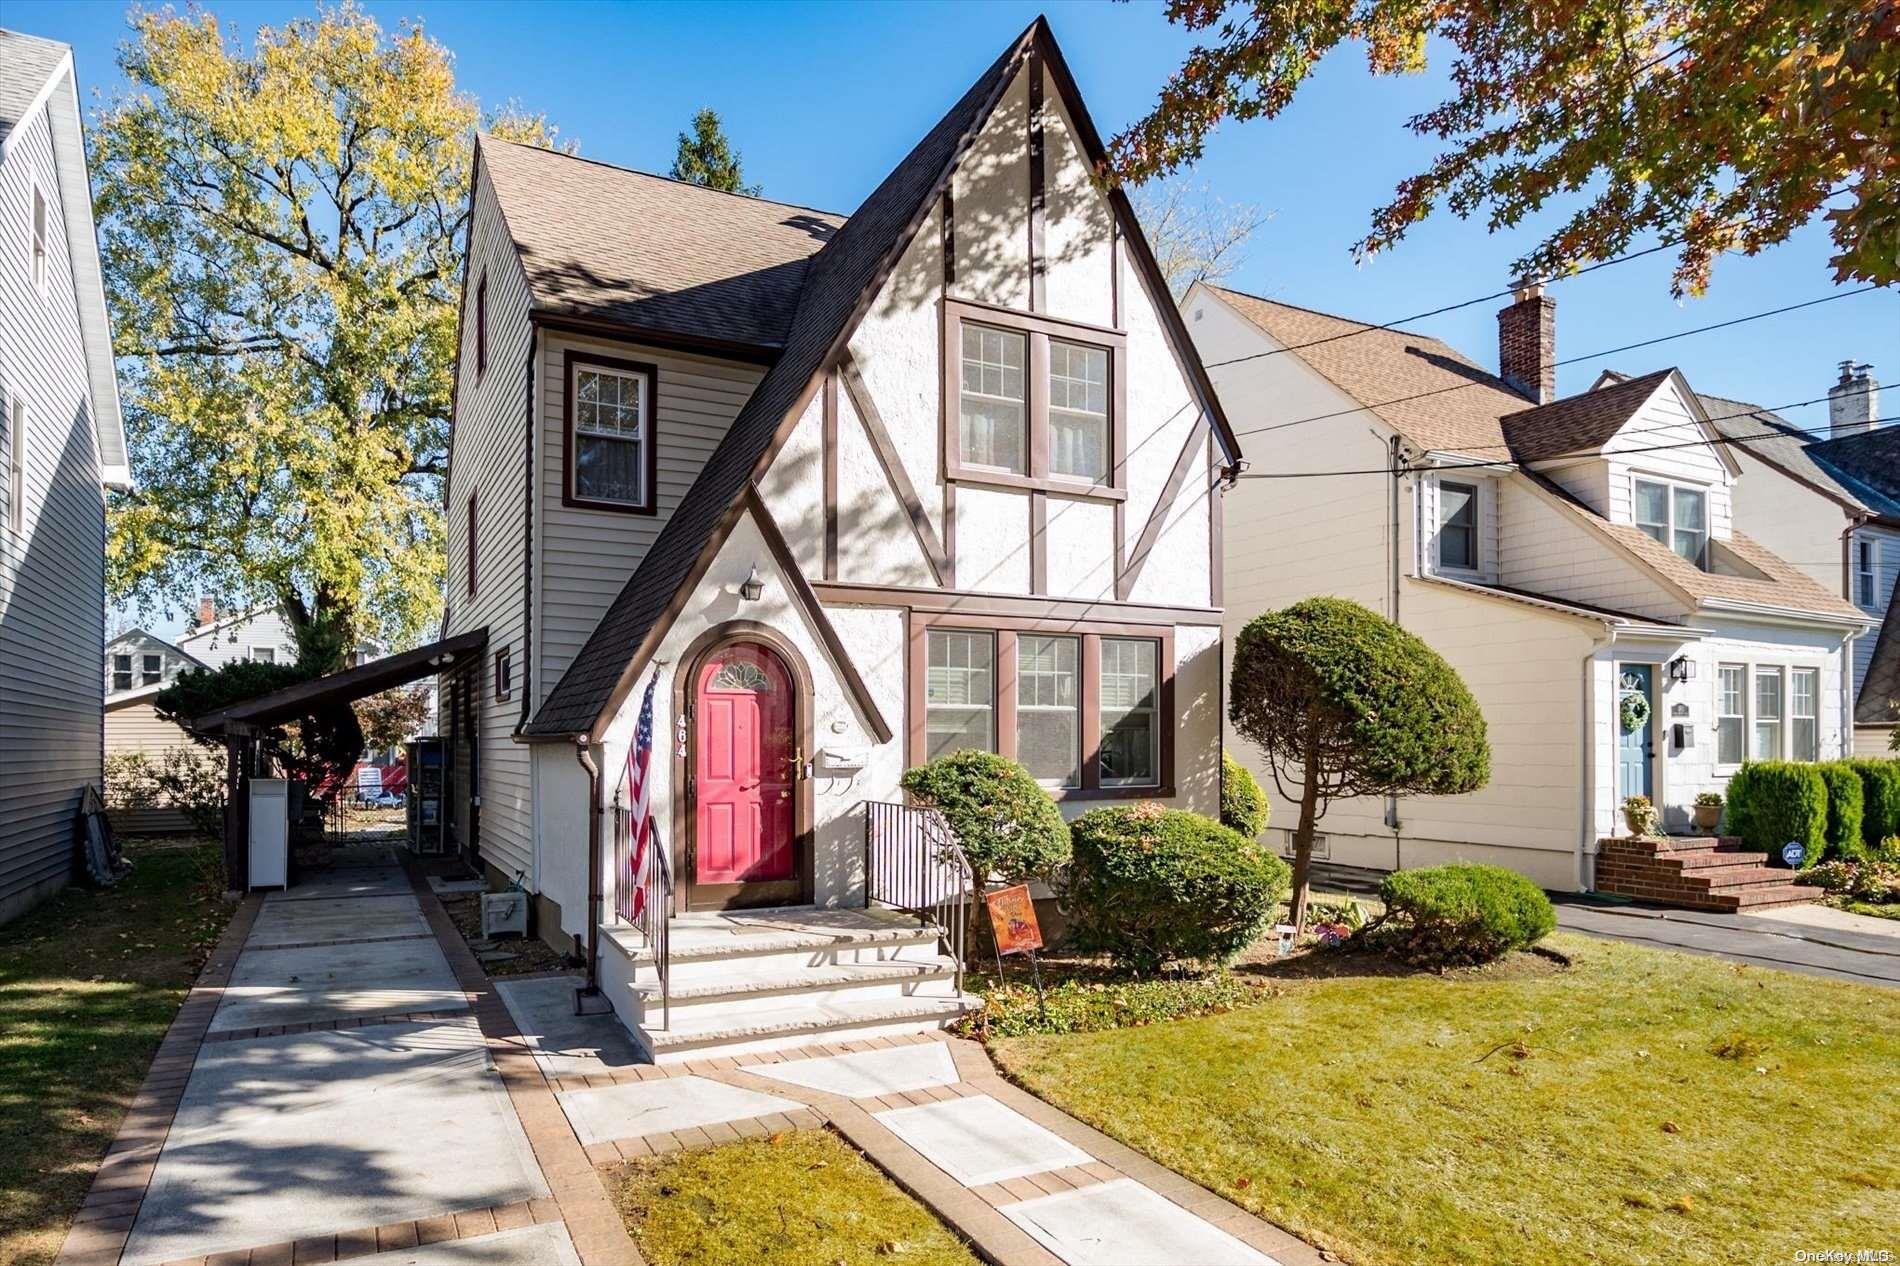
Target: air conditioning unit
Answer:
pixel 505 913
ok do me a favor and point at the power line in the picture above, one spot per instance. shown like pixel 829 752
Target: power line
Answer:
pixel 1408 468
pixel 1570 360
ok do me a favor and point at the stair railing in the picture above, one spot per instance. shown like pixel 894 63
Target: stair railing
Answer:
pixel 643 896
pixel 913 863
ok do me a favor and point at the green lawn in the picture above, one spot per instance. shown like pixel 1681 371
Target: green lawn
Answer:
pixel 1622 1110
pixel 88 984
pixel 800 1198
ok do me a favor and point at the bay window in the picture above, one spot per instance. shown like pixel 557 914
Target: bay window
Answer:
pixel 1768 709
pixel 1675 516
pixel 1804 714
pixel 1032 402
pixel 1730 717
pixel 1086 708
pixel 609 445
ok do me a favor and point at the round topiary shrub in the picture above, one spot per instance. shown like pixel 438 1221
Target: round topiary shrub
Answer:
pixel 1461 914
pixel 1243 806
pixel 1009 827
pixel 1150 886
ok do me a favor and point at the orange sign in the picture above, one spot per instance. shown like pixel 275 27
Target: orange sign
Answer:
pixel 1013 917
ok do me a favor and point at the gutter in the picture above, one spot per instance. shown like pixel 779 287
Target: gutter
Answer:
pixel 1790 615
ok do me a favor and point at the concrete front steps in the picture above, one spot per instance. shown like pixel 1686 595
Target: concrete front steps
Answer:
pixel 1695 873
pixel 744 982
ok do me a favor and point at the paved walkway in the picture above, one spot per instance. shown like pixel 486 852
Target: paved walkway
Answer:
pixel 1789 940
pixel 342 1084
pixel 1024 1182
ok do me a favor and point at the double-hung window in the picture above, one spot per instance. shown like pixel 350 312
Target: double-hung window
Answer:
pixel 611 460
pixel 1458 526
pixel 1864 573
pixel 1731 720
pixel 1768 715
pixel 1032 402
pixel 1088 713
pixel 121 672
pixel 151 669
pixel 263 654
pixel 1804 714
pixel 1676 516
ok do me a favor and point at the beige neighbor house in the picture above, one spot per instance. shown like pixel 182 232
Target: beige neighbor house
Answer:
pixel 1577 560
pixel 845 493
pixel 1830 504
pixel 62 443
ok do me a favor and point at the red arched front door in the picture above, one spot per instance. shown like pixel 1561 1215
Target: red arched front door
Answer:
pixel 745 774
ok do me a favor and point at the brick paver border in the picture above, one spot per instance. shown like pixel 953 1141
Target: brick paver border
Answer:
pixel 327 1026
pixel 579 1192
pixel 105 1218
pixel 362 1241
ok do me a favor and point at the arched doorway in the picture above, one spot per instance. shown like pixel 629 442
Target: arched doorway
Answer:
pixel 747 810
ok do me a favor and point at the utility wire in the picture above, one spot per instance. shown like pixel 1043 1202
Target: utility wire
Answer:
pixel 1569 360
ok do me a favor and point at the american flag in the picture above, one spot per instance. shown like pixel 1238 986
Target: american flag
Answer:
pixel 640 824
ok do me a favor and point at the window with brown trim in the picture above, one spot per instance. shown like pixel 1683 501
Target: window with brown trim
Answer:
pixel 481 327
pixel 1033 402
pixel 504 674
pixel 609 448
pixel 471 544
pixel 1088 709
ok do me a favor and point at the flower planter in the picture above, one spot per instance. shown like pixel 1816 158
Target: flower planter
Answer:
pixel 1706 817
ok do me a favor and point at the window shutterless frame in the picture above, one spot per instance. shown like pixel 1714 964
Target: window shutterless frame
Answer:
pixel 1038 331
pixel 1089 690
pixel 1458 531
pixel 504 674
pixel 649 434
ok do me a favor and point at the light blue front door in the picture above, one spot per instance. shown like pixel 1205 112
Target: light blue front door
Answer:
pixel 1635 747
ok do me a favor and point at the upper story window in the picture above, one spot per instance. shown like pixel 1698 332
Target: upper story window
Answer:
pixel 610 452
pixel 16 464
pixel 40 216
pixel 1676 516
pixel 151 670
pixel 504 673
pixel 481 327
pixel 121 672
pixel 264 654
pixel 472 524
pixel 1032 402
pixel 1458 526
pixel 1864 573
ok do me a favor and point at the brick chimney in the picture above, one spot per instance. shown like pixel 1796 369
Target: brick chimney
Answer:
pixel 207 612
pixel 1527 342
pixel 1854 402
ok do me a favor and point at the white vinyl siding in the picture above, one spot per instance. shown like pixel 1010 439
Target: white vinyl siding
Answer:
pixel 52 540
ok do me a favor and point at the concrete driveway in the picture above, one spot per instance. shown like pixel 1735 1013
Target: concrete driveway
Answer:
pixel 1799 938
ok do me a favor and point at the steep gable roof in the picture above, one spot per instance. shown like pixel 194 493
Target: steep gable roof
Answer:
pixel 610 244
pixel 1858 471
pixel 1578 423
pixel 30 63
pixel 1868 463
pixel 1421 387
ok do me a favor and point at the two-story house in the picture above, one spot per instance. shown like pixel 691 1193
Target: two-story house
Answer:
pixel 840 494
pixel 1577 561
pixel 1830 504
pixel 62 444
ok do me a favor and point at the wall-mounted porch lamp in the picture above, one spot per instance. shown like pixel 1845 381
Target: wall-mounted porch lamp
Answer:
pixel 751 587
pixel 1682 668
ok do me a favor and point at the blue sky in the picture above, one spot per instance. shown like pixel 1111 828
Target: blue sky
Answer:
pixel 822 99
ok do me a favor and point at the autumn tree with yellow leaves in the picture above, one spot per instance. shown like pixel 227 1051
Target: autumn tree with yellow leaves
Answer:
pixel 282 231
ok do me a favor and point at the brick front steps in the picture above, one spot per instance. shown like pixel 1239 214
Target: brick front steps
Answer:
pixel 1695 873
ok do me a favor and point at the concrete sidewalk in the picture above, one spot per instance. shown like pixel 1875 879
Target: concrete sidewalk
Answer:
pixel 345 1100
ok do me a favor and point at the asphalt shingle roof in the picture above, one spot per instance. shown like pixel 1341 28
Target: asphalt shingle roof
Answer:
pixel 26 63
pixel 840 276
pixel 612 244
pixel 1579 423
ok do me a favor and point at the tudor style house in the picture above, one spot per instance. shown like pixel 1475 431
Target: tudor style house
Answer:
pixel 61 445
pixel 1577 560
pixel 841 494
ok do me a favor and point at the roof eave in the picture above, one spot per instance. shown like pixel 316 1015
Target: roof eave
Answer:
pixel 1773 613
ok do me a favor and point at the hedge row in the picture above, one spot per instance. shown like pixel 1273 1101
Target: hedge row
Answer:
pixel 1841 809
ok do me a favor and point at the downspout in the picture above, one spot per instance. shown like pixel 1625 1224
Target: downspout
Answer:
pixel 1855 522
pixel 1394 465
pixel 586 757
pixel 1587 827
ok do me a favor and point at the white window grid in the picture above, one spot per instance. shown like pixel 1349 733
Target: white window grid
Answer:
pixel 1731 713
pixel 1770 708
pixel 1078 409
pixel 1668 530
pixel 1804 714
pixel 994 383
pixel 1461 526
pixel 1763 702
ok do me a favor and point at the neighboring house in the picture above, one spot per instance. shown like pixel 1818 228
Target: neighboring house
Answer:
pixel 62 443
pixel 853 492
pixel 1831 506
pixel 1563 555
pixel 262 634
pixel 137 660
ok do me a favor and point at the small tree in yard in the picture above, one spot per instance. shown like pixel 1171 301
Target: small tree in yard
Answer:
pixel 1342 703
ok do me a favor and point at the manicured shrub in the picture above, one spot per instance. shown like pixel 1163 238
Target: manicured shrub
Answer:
pixel 1008 825
pixel 1463 913
pixel 1150 886
pixel 1774 802
pixel 1243 806
pixel 1880 799
pixel 1844 801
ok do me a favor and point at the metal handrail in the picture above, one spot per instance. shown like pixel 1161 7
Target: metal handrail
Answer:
pixel 651 913
pixel 912 862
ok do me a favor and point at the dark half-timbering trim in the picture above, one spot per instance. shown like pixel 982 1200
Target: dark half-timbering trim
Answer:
pixel 887 457
pixel 1013 606
pixel 1039 543
pixel 830 451
pixel 1158 517
pixel 1038 189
